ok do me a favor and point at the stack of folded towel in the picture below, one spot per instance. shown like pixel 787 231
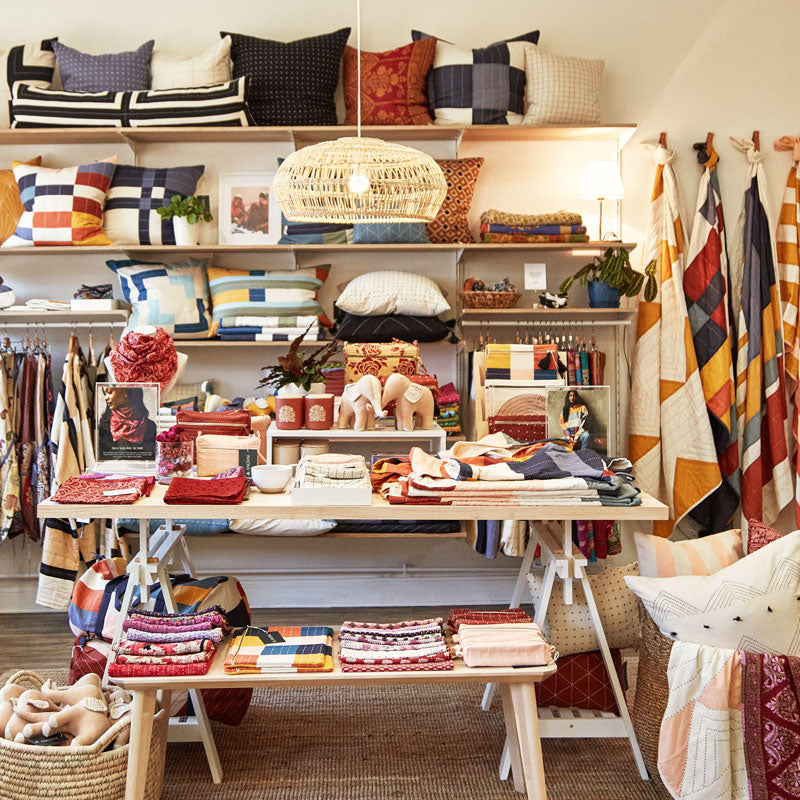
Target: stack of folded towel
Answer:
pixel 269 329
pixel 448 402
pixel 559 226
pixel 168 644
pixel 394 646
pixel 280 649
pixel 332 470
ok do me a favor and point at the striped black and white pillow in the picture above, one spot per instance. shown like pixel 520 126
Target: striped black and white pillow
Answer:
pixel 224 104
pixel 33 63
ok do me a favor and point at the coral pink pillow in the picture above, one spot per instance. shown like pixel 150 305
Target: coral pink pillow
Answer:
pixel 759 534
pixel 661 558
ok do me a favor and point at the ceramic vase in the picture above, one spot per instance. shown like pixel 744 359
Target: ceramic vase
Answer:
pixel 185 234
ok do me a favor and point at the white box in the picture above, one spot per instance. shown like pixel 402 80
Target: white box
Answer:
pixel 331 496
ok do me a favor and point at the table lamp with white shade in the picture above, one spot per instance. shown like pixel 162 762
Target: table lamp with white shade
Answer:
pixel 601 181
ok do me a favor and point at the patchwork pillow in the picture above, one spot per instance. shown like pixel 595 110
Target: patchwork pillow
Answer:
pixel 110 72
pixel 581 681
pixel 450 224
pixel 562 90
pixel 392 85
pixel 173 297
pixel 661 558
pixel 390 233
pixel 62 206
pixel 759 534
pixel 11 208
pixel 754 604
pixel 388 327
pixel 33 63
pixel 570 629
pixel 135 194
pixel 482 86
pixel 266 293
pixel 392 292
pixel 293 83
pixel 212 66
pixel 223 104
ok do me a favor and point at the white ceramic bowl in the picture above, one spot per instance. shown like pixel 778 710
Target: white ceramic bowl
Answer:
pixel 271 478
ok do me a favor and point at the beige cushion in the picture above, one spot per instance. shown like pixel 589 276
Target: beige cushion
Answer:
pixel 561 90
pixel 392 292
pixel 661 558
pixel 570 629
pixel 211 67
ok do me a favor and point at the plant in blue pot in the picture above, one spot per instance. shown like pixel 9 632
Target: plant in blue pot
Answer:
pixel 610 276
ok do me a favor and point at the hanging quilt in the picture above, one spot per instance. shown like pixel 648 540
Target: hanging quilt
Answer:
pixel 760 387
pixel 671 444
pixel 705 284
pixel 788 250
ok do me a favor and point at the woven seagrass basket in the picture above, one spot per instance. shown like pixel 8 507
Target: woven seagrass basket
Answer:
pixel 30 772
pixel 490 299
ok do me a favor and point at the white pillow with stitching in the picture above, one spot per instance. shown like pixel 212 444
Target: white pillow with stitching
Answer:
pixel 211 67
pixel 393 292
pixel 282 527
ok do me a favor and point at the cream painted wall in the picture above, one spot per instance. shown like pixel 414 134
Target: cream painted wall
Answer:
pixel 684 67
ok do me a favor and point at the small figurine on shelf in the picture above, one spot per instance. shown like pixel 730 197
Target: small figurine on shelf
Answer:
pixel 361 404
pixel 414 402
pixel 550 300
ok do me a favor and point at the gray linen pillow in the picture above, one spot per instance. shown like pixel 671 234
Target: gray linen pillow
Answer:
pixel 110 72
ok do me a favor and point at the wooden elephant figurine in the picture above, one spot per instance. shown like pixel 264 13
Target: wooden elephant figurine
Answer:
pixel 414 403
pixel 31 710
pixel 85 722
pixel 361 404
pixel 89 685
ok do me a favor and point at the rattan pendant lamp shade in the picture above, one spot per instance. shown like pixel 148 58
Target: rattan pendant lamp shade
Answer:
pixel 359 179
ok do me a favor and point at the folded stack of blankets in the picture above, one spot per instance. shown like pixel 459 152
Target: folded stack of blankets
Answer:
pixel 269 329
pixel 559 226
pixel 168 644
pixel 394 646
pixel 332 470
pixel 448 402
pixel 508 638
pixel 280 649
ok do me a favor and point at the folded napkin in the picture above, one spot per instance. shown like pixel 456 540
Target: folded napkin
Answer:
pixel 470 616
pixel 134 648
pixel 216 491
pixel 95 491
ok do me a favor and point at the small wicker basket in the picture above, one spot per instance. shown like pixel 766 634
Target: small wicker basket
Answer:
pixel 490 299
pixel 31 772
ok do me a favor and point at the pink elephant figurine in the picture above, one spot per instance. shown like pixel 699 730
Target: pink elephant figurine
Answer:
pixel 361 404
pixel 86 686
pixel 414 402
pixel 31 710
pixel 86 721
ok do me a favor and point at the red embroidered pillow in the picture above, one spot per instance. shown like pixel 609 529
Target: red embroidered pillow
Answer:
pixel 451 224
pixel 581 682
pixel 392 85
pixel 759 534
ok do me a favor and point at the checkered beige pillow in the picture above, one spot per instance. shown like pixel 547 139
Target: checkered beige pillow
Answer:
pixel 562 90
pixel 211 67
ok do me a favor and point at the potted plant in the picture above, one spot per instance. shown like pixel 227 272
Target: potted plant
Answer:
pixel 185 213
pixel 612 275
pixel 296 370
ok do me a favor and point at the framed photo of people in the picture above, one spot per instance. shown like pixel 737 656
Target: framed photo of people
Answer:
pixel 248 212
pixel 125 421
pixel 582 416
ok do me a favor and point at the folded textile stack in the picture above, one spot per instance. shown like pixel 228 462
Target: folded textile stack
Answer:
pixel 394 646
pixel 559 226
pixel 449 403
pixel 334 380
pixel 489 471
pixel 216 491
pixel 280 649
pixel 332 470
pixel 262 333
pixel 168 644
pixel 103 489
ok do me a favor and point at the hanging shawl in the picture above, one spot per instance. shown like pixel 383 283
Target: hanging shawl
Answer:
pixel 760 389
pixel 705 284
pixel 788 249
pixel 671 444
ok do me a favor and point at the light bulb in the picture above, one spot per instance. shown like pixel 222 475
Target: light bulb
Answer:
pixel 359 182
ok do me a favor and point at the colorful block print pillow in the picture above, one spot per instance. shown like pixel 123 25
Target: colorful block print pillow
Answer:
pixel 173 297
pixel 450 224
pixel 109 72
pixel 135 194
pixel 266 293
pixel 481 86
pixel 11 208
pixel 392 85
pixel 62 206
pixel 661 558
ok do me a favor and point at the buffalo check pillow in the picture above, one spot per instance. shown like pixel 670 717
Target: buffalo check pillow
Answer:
pixel 62 206
pixel 480 86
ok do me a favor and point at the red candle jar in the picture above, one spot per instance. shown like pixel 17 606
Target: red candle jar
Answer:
pixel 289 412
pixel 318 411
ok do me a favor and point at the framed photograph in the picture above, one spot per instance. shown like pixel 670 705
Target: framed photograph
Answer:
pixel 248 212
pixel 581 415
pixel 125 421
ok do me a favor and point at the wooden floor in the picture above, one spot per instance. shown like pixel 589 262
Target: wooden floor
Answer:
pixel 44 641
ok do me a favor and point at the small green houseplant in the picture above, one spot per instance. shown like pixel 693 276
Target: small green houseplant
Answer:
pixel 185 212
pixel 610 276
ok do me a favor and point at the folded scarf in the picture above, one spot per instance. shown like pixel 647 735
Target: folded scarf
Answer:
pixel 416 667
pixel 134 648
pixel 217 491
pixel 185 658
pixel 214 635
pixel 495 217
pixel 469 616
pixel 95 491
pixel 359 657
pixel 534 230
pixel 116 670
pixel 521 238
pixel 153 627
pixel 213 614
pixel 129 423
pixel 139 358
pixel 268 322
pixel 503 645
pixel 393 626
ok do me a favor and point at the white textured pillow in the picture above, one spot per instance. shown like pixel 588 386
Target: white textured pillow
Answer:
pixel 661 558
pixel 392 292
pixel 569 628
pixel 562 90
pixel 211 67
pixel 282 527
pixel 753 604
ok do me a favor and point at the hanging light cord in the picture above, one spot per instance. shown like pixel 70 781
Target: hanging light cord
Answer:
pixel 358 67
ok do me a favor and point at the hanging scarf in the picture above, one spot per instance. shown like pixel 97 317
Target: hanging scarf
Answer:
pixel 760 389
pixel 705 284
pixel 788 249
pixel 671 444
pixel 139 358
pixel 129 423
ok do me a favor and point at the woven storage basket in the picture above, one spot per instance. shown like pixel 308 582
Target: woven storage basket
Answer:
pixel 490 299
pixel 652 692
pixel 30 772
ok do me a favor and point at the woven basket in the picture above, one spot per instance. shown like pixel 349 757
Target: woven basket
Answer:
pixel 490 299
pixel 31 772
pixel 652 692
